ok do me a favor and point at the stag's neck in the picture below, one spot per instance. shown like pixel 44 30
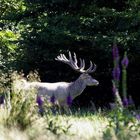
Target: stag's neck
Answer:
pixel 76 88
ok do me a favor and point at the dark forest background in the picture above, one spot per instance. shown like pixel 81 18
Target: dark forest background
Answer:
pixel 34 32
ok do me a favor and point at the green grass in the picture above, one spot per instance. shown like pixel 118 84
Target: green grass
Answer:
pixel 78 125
pixel 67 126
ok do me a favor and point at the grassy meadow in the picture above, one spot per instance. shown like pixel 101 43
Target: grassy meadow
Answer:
pixel 98 126
pixel 22 120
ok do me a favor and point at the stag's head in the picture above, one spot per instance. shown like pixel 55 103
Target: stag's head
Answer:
pixel 73 63
pixel 88 80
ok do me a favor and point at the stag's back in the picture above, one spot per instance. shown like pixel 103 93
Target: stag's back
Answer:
pixel 47 90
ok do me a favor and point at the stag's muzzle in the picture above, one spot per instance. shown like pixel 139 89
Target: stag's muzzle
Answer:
pixel 96 83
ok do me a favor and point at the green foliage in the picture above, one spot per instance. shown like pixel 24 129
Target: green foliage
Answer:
pixel 20 107
pixel 8 48
pixel 122 125
pixel 5 84
pixel 9 8
pixel 23 110
pixel 6 37
pixel 56 125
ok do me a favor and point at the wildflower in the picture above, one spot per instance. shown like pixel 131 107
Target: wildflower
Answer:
pixel 41 111
pixel 69 100
pixel 125 61
pixel 114 88
pixel 138 117
pixel 40 105
pixel 116 73
pixel 130 101
pixel 2 99
pixel 52 99
pixel 39 101
pixel 115 51
pixel 125 102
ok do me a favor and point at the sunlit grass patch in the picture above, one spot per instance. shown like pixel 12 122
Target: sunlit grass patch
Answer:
pixel 88 128
pixel 97 126
pixel 70 127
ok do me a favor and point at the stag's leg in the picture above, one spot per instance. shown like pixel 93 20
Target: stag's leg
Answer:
pixel 64 108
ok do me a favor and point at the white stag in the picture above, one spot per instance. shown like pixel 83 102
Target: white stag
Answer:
pixel 61 90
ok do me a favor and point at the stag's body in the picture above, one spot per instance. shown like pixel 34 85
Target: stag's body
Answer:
pixel 61 90
pixel 47 90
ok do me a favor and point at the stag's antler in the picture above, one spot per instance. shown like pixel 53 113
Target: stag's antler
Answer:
pixel 73 63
